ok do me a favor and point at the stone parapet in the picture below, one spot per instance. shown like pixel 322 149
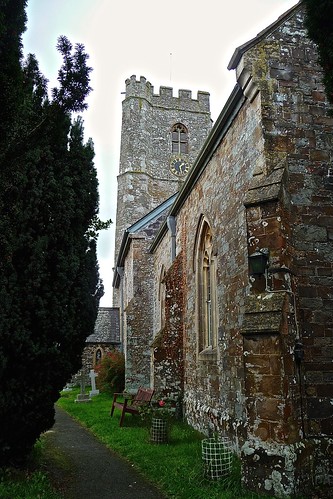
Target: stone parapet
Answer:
pixel 144 89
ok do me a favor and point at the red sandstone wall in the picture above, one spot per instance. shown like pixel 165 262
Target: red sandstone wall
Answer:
pixel 268 185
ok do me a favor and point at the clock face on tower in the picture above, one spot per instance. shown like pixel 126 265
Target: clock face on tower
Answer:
pixel 179 167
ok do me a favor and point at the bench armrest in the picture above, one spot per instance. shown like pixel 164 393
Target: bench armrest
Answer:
pixel 126 396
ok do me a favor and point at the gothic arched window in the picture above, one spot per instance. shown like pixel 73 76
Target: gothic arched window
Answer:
pixel 162 297
pixel 98 356
pixel 206 288
pixel 179 139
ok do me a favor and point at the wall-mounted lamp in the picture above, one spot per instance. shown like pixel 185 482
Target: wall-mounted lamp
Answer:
pixel 258 261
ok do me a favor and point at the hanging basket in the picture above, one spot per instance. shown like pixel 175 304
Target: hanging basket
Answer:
pixel 159 431
pixel 217 457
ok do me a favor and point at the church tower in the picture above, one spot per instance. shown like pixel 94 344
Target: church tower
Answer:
pixel 160 139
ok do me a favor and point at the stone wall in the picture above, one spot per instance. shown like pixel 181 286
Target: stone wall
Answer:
pixel 168 358
pixel 263 181
pixel 138 315
pixel 296 389
pixel 145 179
pixel 214 384
pixel 89 354
pixel 268 385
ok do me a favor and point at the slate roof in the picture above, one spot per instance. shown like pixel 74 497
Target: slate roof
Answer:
pixel 107 329
pixel 148 226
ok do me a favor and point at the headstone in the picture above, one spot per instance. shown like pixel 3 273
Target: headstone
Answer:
pixel 93 376
pixel 68 387
pixel 82 396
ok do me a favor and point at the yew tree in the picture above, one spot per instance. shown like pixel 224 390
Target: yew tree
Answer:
pixel 49 280
pixel 319 23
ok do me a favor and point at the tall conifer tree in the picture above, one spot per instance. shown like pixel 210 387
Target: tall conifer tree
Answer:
pixel 49 282
pixel 319 23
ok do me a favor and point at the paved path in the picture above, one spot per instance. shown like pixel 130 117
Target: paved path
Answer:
pixel 92 470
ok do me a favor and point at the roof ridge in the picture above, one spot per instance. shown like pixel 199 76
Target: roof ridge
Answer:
pixel 239 51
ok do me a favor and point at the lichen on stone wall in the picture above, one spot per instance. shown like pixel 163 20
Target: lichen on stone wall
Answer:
pixel 168 343
pixel 298 467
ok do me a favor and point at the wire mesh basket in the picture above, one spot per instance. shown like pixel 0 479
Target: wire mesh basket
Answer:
pixel 159 431
pixel 217 457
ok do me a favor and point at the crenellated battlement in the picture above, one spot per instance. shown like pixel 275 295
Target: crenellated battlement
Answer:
pixel 144 89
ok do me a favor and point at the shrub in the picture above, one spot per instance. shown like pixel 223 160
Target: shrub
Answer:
pixel 160 408
pixel 111 372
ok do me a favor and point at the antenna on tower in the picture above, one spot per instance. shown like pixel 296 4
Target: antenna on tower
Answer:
pixel 170 66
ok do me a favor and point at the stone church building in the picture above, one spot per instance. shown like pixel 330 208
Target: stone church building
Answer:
pixel 103 340
pixel 224 257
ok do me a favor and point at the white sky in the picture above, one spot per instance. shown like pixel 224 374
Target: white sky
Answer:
pixel 138 37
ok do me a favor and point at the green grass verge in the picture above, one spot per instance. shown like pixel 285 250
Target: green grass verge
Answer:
pixel 28 483
pixel 36 480
pixel 23 485
pixel 176 468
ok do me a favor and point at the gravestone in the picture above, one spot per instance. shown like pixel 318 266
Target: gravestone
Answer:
pixel 93 376
pixel 82 396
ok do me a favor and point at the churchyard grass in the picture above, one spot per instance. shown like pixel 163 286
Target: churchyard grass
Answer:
pixel 30 482
pixel 22 485
pixel 176 468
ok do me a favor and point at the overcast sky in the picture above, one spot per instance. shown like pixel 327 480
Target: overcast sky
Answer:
pixel 185 44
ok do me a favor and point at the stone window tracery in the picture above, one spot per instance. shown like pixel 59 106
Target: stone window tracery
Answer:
pixel 206 288
pixel 179 139
pixel 162 297
pixel 98 356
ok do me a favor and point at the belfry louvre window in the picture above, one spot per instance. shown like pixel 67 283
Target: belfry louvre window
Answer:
pixel 179 138
pixel 206 288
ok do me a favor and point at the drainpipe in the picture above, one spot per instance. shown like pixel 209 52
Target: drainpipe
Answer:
pixel 171 222
pixel 120 272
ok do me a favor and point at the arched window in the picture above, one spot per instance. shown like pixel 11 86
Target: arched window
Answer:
pixel 179 139
pixel 162 298
pixel 206 288
pixel 98 356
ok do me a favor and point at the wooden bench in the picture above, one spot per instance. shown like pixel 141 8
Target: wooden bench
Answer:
pixel 131 403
